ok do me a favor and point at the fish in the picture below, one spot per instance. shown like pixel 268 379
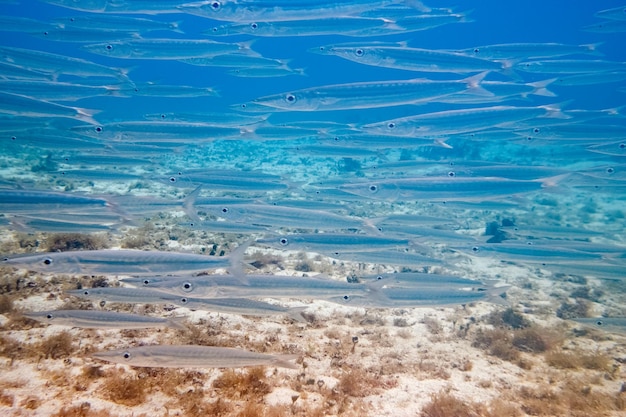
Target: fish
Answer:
pixel 167 49
pixel 420 296
pixel 272 11
pixel 191 356
pixel 607 324
pixel 609 26
pixel 57 91
pixel 442 188
pixel 137 131
pixel 99 319
pixel 411 59
pixel 121 6
pixel 123 262
pixel 56 64
pixel 251 285
pixel 517 51
pixel 615 13
pixel 570 66
pixel 333 242
pixel 20 105
pixel 367 95
pixel 345 25
pixel 103 22
pixel 449 122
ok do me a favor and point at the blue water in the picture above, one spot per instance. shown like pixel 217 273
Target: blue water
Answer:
pixel 593 201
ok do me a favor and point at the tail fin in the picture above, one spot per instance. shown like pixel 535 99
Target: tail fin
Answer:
pixel 474 87
pixel 189 204
pixel 283 361
pixel 592 49
pixel 540 88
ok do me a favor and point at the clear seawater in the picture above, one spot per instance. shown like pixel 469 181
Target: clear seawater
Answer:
pixel 589 193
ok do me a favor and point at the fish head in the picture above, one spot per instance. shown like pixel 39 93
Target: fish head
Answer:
pixel 288 101
pixel 380 190
pixel 113 49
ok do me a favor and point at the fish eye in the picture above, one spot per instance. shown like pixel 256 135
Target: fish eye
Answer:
pixel 146 281
pixel 172 179
pixel 184 300
pixel 379 277
pixel 225 210
pixel 187 286
pixel 529 243
pixel 346 297
pixel 126 355
pixel 600 323
pixel 359 52
pixel 373 188
pixel 49 316
pixel 99 129
pixel 290 98
pixel 216 5
pixel 529 138
pixel 622 146
pixel 536 130
pixel 13 137
pixel 109 47
pixel 476 50
pixel 215 29
pixel 475 249
pixel 85 292
pixel 47 261
pixel 610 170
pixel 391 125
pixel 243 106
pixel 451 174
pixel 254 25
pixel 45 33
pixel 322 49
pixel 284 241
pixel 163 116
pixel 336 138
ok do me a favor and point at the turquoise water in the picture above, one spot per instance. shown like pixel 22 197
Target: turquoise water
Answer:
pixel 162 155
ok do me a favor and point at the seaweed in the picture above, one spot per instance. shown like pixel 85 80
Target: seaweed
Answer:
pixel 60 242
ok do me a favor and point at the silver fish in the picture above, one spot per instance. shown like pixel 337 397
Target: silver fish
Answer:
pixel 190 356
pixel 97 319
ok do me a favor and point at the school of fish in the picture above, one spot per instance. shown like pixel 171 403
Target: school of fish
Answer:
pixel 118 113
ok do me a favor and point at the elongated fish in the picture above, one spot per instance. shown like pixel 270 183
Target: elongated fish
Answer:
pixel 608 324
pixel 411 59
pixel 98 319
pixel 122 262
pixel 163 48
pixel 190 356
pixel 367 95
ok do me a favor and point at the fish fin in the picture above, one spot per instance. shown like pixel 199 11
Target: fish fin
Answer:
pixel 87 115
pixel 540 88
pixel 442 142
pixel 284 361
pixel 592 48
pixel 177 323
pixel 190 202
pixel 295 313
pixel 236 259
pixel 175 27
pixel 474 87
pixel 555 110
pixel 509 71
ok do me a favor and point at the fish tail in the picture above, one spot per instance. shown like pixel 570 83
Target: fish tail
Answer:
pixel 87 115
pixel 176 323
pixel 189 204
pixel 592 48
pixel 295 313
pixel 540 88
pixel 284 361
